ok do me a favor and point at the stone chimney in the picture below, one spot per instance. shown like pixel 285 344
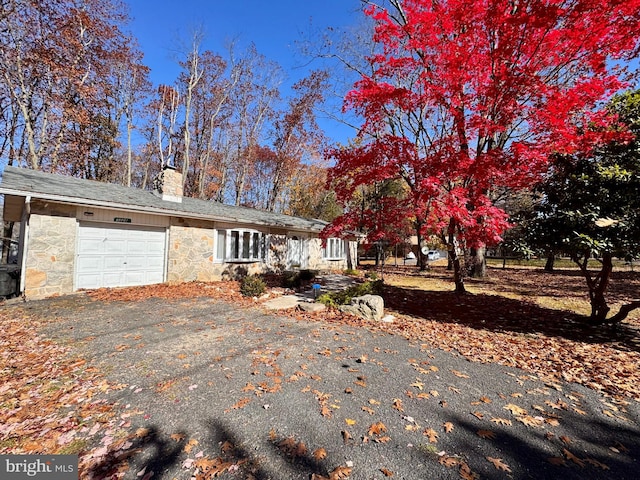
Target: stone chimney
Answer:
pixel 169 184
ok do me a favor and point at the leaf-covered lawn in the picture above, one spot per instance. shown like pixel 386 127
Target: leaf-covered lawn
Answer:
pixel 524 318
pixel 49 398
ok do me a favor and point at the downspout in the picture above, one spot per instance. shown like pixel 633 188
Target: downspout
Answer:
pixel 26 215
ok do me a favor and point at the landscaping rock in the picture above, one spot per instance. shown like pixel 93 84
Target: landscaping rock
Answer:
pixel 282 303
pixel 369 307
pixel 311 307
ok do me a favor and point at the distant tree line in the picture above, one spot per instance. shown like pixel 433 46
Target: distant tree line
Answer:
pixel 76 99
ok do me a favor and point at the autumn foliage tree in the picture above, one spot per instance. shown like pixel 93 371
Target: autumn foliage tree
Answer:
pixel 59 59
pixel 589 209
pixel 467 98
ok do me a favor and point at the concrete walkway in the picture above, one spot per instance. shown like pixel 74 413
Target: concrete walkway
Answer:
pixel 306 300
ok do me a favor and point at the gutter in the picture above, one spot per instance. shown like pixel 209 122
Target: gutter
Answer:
pixel 145 209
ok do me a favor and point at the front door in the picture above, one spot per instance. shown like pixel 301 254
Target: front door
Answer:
pixel 297 256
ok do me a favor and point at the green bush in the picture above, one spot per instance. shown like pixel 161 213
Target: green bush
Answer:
pixel 371 275
pixel 327 299
pixel 252 286
pixel 343 297
pixel 350 271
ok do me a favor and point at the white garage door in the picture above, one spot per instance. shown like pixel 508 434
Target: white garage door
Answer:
pixel 119 256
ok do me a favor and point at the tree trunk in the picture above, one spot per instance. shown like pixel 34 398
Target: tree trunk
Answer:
pixel 551 258
pixel 478 267
pixel 421 260
pixel 597 288
pixel 458 274
pixel 349 257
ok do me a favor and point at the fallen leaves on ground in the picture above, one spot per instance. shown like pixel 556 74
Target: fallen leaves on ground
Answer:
pixel 229 291
pixel 484 327
pixel 51 400
pixel 431 434
pixel 499 464
pixel 490 328
pixel 486 434
pixel 553 352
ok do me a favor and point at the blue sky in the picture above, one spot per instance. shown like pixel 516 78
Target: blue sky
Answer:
pixel 274 26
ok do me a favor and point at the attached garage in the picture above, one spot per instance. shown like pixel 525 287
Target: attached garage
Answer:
pixel 119 255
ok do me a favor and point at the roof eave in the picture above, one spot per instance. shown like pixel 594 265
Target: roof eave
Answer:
pixel 82 202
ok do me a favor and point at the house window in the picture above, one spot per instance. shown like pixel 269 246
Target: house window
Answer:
pixel 334 249
pixel 239 245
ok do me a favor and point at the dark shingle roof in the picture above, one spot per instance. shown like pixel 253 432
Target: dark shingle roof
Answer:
pixel 22 181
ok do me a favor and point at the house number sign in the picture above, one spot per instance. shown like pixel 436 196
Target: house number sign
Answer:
pixel 122 220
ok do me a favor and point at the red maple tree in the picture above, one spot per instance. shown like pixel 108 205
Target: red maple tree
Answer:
pixel 469 99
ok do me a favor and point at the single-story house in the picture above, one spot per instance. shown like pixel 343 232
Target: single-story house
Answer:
pixel 82 234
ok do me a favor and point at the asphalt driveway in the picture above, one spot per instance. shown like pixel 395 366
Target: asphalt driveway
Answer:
pixel 208 387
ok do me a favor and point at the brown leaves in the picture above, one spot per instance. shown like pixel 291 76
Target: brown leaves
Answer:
pixel 207 468
pixel 499 464
pixel 515 409
pixel 431 434
pixel 191 444
pixel 377 429
pixel 319 454
pixel 340 472
pixel 229 291
pixel 568 357
pixel 570 456
pixel 289 446
pixel 47 393
pixel 337 474
pixel 486 434
pixel 243 402
pixel 502 421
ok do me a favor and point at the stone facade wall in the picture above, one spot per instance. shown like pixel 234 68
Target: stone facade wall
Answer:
pixel 50 256
pixel 277 252
pixel 190 255
pixel 316 262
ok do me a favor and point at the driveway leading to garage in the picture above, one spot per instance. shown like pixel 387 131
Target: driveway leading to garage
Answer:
pixel 204 382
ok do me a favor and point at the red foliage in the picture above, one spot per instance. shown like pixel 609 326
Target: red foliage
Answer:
pixel 468 98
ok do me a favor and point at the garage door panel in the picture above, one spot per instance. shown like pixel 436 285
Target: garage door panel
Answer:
pixel 138 246
pixel 134 278
pixel 154 277
pixel 137 263
pixel 90 264
pixel 112 279
pixel 114 263
pixel 90 245
pixel 119 255
pixel 115 246
pixel 155 263
pixel 89 280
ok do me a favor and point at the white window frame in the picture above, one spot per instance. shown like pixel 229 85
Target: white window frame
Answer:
pixel 334 249
pixel 241 245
